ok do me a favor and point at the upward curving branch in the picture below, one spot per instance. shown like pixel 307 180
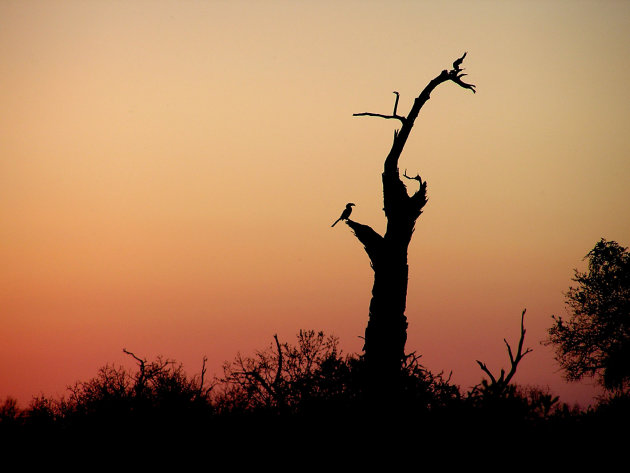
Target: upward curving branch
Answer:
pixel 395 192
pixel 454 75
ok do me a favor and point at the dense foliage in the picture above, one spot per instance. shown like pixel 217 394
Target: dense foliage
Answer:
pixel 595 340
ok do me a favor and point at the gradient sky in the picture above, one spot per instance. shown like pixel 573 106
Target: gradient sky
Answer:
pixel 169 172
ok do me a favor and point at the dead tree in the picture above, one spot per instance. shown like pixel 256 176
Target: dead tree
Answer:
pixel 498 385
pixel 386 332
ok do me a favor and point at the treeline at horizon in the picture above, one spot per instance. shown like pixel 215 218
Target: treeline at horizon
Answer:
pixel 310 389
pixel 307 386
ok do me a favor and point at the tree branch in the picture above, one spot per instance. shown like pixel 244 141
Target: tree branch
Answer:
pixel 457 78
pixel 139 387
pixel 394 115
pixel 487 371
pixel 519 353
pixel 276 381
pixel 395 192
pixel 203 374
pixel 370 114
pixel 139 360
pixel 371 240
pixel 455 75
pixel 259 378
pixel 501 383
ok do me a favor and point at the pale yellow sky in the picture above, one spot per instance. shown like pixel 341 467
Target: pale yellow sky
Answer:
pixel 169 172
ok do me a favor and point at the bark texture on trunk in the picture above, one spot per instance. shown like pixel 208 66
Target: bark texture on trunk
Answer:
pixel 386 332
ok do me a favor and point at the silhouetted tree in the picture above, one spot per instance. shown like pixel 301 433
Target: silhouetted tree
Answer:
pixel 499 385
pixel 386 332
pixel 500 400
pixel 595 340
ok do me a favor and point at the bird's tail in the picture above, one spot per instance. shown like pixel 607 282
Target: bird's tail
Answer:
pixel 335 222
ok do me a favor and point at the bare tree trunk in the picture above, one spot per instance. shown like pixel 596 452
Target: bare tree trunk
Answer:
pixel 386 332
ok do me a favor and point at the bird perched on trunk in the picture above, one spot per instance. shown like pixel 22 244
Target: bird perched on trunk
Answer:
pixel 345 214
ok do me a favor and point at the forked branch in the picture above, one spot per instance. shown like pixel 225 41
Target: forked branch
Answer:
pixel 454 75
pixel 272 387
pixel 500 383
pixel 141 378
pixel 394 115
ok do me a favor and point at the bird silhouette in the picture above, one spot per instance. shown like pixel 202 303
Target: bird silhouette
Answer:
pixel 458 63
pixel 345 214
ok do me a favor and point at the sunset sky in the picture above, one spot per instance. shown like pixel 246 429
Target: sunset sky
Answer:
pixel 169 171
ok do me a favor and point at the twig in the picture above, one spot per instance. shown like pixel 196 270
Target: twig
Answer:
pixel 394 115
pixel 203 373
pixel 369 114
pixel 487 371
pixel 140 360
pixel 276 381
pixel 139 387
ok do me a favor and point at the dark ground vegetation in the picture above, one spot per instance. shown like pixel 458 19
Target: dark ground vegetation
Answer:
pixel 299 393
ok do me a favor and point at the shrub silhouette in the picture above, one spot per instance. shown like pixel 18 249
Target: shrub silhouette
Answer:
pixel 159 396
pixel 310 389
pixel 287 378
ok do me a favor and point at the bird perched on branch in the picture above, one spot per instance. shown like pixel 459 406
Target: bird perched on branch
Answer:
pixel 345 214
pixel 458 62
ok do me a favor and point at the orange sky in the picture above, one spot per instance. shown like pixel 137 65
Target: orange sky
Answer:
pixel 169 172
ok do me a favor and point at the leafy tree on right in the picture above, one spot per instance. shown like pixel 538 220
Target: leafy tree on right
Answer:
pixel 595 340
